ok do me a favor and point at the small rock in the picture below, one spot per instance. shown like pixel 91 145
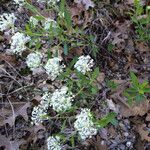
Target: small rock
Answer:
pixel 128 144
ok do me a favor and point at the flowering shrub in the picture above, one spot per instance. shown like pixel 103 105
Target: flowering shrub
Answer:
pixel 33 21
pixel 7 21
pixel 34 60
pixel 38 114
pixel 53 67
pixel 61 99
pixel 50 23
pixel 18 42
pixel 84 64
pixel 76 79
pixel 53 143
pixel 84 124
pixel 53 2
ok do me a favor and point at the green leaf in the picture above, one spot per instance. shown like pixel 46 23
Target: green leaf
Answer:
pixel 95 73
pixel 144 84
pixel 146 90
pixel 73 62
pixel 139 98
pixel 65 49
pixel 111 84
pixel 28 30
pixel 72 142
pixel 68 18
pixel 131 90
pixel 110 118
pixel 134 79
pixel 94 90
pixel 49 54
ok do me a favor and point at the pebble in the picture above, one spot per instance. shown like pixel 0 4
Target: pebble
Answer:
pixel 126 134
pixel 128 144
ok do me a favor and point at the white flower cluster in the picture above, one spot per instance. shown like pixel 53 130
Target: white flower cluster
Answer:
pixel 53 67
pixel 50 23
pixel 33 21
pixel 18 42
pixel 84 64
pixel 39 112
pixel 7 21
pixel 53 2
pixel 53 143
pixel 84 124
pixel 20 2
pixel 34 60
pixel 61 99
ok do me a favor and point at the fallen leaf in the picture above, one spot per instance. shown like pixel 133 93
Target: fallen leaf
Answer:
pixel 142 46
pixel 148 117
pixel 9 58
pixel 101 77
pixel 10 145
pixel 100 144
pixel 143 133
pixel 111 105
pixel 138 109
pixel 34 130
pixel 139 145
pixel 124 108
pixel 22 111
pixel 129 2
pixel 86 3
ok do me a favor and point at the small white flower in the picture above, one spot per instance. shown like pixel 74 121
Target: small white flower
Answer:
pixel 45 101
pixel 33 21
pixel 20 2
pixel 7 21
pixel 84 64
pixel 18 42
pixel 50 23
pixel 38 115
pixel 84 124
pixel 53 67
pixel 39 112
pixel 53 2
pixel 53 143
pixel 34 60
pixel 61 99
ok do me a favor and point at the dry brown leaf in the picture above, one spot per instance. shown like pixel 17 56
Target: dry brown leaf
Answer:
pixel 129 2
pixel 143 133
pixel 86 3
pixel 99 144
pixel 22 111
pixel 9 58
pixel 34 130
pixel 126 110
pixel 77 51
pixel 139 145
pixel 80 15
pixel 142 47
pixel 139 109
pixel 101 77
pixel 148 117
pixel 10 145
